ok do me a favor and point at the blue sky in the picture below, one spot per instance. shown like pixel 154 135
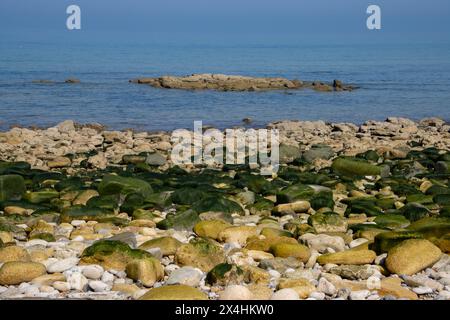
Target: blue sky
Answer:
pixel 406 18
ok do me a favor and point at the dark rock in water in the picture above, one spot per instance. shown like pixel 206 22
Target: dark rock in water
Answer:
pixel 12 187
pixel 125 237
pixel 72 80
pixel 247 120
pixel 43 81
pixel 183 221
pixel 318 152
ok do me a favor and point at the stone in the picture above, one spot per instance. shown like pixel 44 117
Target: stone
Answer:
pixel 326 287
pixel 225 274
pixel 285 294
pixel 186 276
pixel 285 250
pixel 356 257
pixel 93 272
pixel 76 280
pixel 167 245
pixel 412 256
pixel 328 222
pixel 62 265
pixel 16 272
pixel 147 271
pixel 321 242
pixel 236 292
pixel 210 229
pixel 98 286
pixel 238 234
pixel 13 253
pixel 359 295
pixel 200 253
pixel 59 162
pixel 293 207
pixel 174 292
pixel 12 187
pixel 301 285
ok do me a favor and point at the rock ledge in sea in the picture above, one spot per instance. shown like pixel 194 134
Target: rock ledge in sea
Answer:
pixel 222 82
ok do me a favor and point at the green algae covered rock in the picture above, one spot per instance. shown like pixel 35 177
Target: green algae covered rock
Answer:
pixel 200 253
pixel 217 204
pixel 225 274
pixel 285 250
pixel 328 222
pixel 183 221
pixel 80 212
pixel 12 187
pixel 294 193
pixel 414 211
pixel 112 254
pixel 187 195
pixel 357 168
pixel 211 228
pixel 384 241
pixel 113 184
pixel 352 257
pixel 392 221
pixel 431 227
pixel 167 245
pixel 41 196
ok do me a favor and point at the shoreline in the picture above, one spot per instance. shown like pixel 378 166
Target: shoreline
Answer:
pixel 354 213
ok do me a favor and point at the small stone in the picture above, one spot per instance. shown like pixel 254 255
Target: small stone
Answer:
pixel 61 286
pixel 359 295
pixel 62 265
pixel 147 271
pixel 236 292
pixel 326 287
pixel 186 275
pixel 76 280
pixel 93 272
pixel 13 253
pixel 285 294
pixel 98 286
pixel 174 292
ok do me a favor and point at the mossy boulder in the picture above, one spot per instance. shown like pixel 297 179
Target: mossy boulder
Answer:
pixel 168 245
pixel 187 195
pixel 328 222
pixel 225 274
pixel 412 256
pixel 392 221
pixel 353 167
pixel 174 292
pixel 80 212
pixel 12 187
pixel 217 204
pixel 112 254
pixel 295 193
pixel 200 253
pixel 275 233
pixel 285 250
pixel 435 227
pixel 114 184
pixel 183 221
pixel 414 211
pixel 210 228
pixel 355 257
pixel 265 244
pixel 384 241
pixel 13 253
pixel 41 196
pixel 147 271
pixel 318 151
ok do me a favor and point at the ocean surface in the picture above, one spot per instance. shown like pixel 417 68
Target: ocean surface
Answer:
pixel 396 79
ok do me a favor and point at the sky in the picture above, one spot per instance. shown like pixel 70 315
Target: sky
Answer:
pixel 405 19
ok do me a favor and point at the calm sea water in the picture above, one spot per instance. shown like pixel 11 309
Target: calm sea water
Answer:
pixel 410 80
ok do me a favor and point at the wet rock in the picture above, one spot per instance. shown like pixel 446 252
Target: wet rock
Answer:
pixel 174 292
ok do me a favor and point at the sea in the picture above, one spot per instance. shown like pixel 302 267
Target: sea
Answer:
pixel 395 78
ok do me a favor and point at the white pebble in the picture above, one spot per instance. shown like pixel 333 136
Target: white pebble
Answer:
pixel 61 286
pixel 236 292
pixel 77 281
pixel 98 286
pixel 357 242
pixel 285 294
pixel 107 277
pixel 77 223
pixel 359 295
pixel 62 265
pixel 317 295
pixel 422 290
pixel 93 271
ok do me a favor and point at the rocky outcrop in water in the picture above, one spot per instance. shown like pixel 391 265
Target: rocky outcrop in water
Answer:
pixel 223 82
